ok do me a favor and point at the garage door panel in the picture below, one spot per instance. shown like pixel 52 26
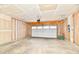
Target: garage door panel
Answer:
pixel 45 32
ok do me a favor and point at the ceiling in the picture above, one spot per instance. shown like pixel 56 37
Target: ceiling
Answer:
pixel 31 12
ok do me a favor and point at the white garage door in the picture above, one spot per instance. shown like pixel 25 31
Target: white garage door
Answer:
pixel 44 31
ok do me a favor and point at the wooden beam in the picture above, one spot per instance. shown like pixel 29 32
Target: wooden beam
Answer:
pixel 48 23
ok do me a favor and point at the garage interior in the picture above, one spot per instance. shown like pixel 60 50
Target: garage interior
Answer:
pixel 39 28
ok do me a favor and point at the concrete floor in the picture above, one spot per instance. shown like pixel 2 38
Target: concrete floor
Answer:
pixel 39 45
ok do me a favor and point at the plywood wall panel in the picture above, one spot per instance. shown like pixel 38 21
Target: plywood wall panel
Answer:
pixel 29 30
pixel 5 30
pixel 61 29
pixel 77 28
pixel 66 29
pixel 5 24
pixel 5 37
pixel 21 29
pixel 72 29
pixel 13 28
